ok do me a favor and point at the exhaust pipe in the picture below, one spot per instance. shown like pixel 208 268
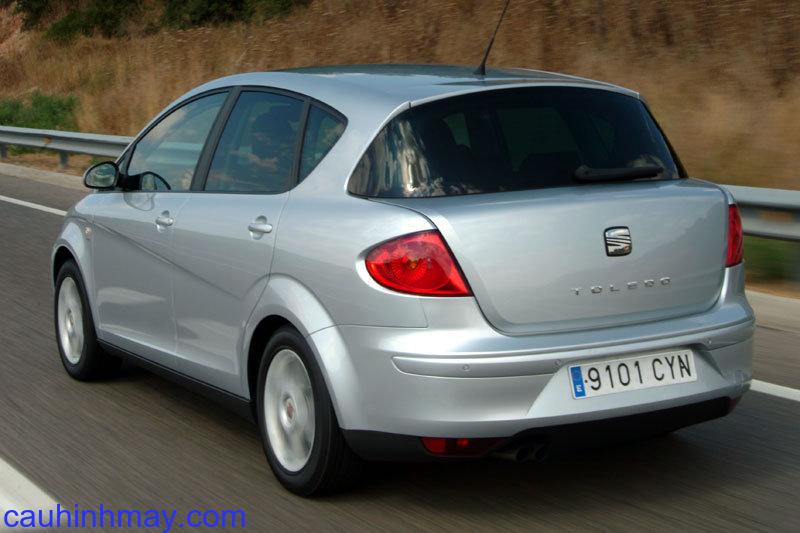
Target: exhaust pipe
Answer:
pixel 535 451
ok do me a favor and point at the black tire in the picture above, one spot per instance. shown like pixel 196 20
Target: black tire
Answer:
pixel 331 466
pixel 93 362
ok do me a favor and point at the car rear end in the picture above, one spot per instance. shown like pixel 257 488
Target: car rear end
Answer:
pixel 572 275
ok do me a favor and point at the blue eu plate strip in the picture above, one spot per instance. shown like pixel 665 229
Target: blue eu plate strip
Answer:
pixel 577 382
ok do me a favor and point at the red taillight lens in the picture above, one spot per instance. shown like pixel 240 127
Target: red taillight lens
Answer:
pixel 419 263
pixel 735 237
pixel 458 447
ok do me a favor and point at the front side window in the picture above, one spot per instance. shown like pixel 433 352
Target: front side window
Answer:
pixel 509 140
pixel 257 149
pixel 166 157
pixel 322 131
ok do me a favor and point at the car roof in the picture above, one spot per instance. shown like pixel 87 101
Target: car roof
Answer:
pixel 434 80
pixel 371 95
pixel 382 89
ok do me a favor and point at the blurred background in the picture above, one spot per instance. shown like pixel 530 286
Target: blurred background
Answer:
pixel 722 76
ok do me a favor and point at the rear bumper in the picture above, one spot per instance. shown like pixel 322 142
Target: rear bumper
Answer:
pixel 376 446
pixel 460 378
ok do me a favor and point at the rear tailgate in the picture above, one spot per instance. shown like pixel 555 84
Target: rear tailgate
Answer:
pixel 537 260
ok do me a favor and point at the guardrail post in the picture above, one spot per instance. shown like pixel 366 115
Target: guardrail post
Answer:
pixel 3 151
pixel 63 159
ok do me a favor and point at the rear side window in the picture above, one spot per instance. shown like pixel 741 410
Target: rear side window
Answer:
pixel 322 131
pixel 509 140
pixel 257 149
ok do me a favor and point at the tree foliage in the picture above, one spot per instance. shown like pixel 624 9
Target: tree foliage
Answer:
pixel 110 17
pixel 106 17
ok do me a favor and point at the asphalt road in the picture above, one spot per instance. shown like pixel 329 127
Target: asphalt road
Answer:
pixel 140 441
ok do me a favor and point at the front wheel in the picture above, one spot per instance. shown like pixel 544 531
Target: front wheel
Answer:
pixel 302 440
pixel 82 357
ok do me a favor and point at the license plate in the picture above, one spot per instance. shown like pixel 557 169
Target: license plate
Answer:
pixel 632 373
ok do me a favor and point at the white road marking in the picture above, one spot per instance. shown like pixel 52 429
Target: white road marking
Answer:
pixel 775 390
pixel 19 493
pixel 38 207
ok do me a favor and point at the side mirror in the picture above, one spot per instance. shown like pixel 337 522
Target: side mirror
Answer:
pixel 102 175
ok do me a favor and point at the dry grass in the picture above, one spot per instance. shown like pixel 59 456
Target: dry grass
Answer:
pixel 48 160
pixel 723 77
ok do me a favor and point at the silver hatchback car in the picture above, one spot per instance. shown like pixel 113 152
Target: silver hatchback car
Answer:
pixel 411 262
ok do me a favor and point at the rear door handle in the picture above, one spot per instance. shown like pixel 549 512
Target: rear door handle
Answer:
pixel 164 220
pixel 259 227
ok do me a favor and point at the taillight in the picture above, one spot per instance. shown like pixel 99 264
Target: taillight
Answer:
pixel 419 263
pixel 458 447
pixel 735 237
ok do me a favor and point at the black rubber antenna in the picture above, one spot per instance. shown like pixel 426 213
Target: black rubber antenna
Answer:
pixel 481 70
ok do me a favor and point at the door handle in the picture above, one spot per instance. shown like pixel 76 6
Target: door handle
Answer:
pixel 164 220
pixel 259 227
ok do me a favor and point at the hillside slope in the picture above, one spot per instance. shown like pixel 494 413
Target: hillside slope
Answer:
pixel 723 77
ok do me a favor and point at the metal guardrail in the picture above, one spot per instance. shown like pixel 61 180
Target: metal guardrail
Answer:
pixel 771 213
pixel 64 142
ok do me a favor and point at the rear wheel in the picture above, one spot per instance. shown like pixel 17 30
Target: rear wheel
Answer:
pixel 82 357
pixel 302 440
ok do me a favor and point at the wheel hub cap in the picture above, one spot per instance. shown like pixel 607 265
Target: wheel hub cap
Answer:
pixel 289 410
pixel 70 320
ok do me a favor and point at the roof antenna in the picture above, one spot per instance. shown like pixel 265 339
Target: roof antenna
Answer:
pixel 481 70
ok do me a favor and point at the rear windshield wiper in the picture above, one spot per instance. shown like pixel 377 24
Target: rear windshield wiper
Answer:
pixel 584 173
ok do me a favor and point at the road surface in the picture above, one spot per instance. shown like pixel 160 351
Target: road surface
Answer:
pixel 140 441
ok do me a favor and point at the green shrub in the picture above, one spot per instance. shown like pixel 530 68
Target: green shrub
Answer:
pixel 109 17
pixel 39 110
pixel 190 13
pixel 272 8
pixel 32 11
pixel 69 26
pixel 106 17
pixel 771 260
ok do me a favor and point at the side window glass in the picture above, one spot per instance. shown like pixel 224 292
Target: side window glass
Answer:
pixel 166 157
pixel 257 149
pixel 457 123
pixel 322 132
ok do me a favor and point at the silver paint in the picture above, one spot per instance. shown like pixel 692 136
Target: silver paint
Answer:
pixel 189 295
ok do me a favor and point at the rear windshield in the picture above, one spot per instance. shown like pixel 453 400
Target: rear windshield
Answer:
pixel 509 140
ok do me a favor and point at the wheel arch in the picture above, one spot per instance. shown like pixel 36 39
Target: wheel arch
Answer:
pixel 262 333
pixel 73 244
pixel 285 302
pixel 61 255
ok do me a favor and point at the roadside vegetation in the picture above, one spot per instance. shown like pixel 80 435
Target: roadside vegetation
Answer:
pixel 65 20
pixel 768 261
pixel 722 77
pixel 38 110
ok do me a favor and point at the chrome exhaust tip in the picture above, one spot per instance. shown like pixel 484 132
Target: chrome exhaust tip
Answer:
pixel 536 452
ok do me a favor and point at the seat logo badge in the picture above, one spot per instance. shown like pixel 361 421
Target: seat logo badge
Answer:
pixel 618 241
